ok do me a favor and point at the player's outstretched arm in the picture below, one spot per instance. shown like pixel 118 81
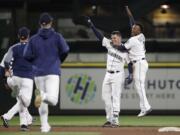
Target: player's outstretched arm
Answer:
pixel 96 32
pixel 131 18
pixel 129 79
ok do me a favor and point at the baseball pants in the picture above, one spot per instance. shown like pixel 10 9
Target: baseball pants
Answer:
pixel 139 74
pixel 111 93
pixel 49 90
pixel 24 88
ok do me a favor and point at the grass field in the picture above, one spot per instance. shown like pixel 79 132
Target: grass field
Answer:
pixel 150 121
pixel 95 121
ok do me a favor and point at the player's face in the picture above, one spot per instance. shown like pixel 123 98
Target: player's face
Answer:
pixel 135 30
pixel 116 39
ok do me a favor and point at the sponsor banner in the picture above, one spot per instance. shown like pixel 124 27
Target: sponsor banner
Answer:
pixel 81 89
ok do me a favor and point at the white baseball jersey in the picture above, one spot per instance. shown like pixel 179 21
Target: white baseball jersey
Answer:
pixel 115 58
pixel 136 45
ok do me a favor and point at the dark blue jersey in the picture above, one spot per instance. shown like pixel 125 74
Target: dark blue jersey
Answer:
pixel 45 50
pixel 20 66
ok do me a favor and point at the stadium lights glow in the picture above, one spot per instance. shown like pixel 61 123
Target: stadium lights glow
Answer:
pixel 164 6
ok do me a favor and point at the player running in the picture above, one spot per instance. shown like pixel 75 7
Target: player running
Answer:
pixel 46 50
pixel 114 78
pixel 20 79
pixel 136 48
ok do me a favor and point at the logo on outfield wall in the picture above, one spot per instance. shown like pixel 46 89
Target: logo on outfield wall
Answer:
pixel 80 88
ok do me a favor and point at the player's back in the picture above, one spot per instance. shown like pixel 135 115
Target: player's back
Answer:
pixel 20 66
pixel 46 48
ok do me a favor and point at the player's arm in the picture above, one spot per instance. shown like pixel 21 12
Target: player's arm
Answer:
pixel 131 18
pixel 2 72
pixel 129 79
pixel 8 58
pixel 127 46
pixel 122 48
pixel 63 48
pixel 99 35
pixel 2 67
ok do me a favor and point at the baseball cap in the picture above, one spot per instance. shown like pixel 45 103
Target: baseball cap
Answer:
pixel 45 18
pixel 23 33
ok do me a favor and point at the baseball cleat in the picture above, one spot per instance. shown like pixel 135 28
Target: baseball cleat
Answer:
pixel 30 122
pixel 45 129
pixel 5 122
pixel 107 124
pixel 144 113
pixel 24 128
pixel 38 99
pixel 114 125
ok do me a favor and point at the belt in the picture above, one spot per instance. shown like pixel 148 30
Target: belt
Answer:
pixel 134 61
pixel 112 72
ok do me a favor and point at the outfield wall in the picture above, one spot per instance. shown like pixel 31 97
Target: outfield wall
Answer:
pixel 81 87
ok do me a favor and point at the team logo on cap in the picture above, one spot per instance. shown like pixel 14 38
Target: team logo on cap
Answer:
pixel 81 89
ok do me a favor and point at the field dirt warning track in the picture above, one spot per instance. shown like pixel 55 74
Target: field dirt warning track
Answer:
pixel 99 130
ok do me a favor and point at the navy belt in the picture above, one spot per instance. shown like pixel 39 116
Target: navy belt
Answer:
pixel 112 72
pixel 134 61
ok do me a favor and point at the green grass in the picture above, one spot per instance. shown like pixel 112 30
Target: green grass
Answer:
pixel 155 121
pixel 99 120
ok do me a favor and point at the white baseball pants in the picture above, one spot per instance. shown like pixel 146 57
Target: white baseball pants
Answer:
pixel 49 90
pixel 140 69
pixel 111 93
pixel 24 86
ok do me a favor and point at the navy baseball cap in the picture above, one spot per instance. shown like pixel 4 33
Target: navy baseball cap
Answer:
pixel 45 18
pixel 23 33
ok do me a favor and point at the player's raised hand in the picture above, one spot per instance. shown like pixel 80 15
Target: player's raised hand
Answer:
pixel 128 11
pixel 88 20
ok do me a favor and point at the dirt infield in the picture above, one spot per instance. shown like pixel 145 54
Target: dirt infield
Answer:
pixel 102 131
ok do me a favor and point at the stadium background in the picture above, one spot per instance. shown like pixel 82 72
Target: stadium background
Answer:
pixel 86 60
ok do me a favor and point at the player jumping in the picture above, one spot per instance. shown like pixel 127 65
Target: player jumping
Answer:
pixel 136 48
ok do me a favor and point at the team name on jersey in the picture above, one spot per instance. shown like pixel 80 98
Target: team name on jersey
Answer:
pixel 115 55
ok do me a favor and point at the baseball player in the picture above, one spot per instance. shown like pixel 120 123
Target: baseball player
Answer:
pixel 114 78
pixel 46 50
pixel 20 79
pixel 136 48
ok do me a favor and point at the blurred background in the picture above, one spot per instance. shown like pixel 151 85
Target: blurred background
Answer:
pixel 161 19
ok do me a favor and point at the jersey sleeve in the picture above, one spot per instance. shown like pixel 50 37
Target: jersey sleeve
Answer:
pixel 9 55
pixel 106 42
pixel 129 44
pixel 2 61
pixel 62 45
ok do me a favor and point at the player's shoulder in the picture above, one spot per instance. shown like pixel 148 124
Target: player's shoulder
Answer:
pixel 15 45
pixel 106 40
pixel 58 35
pixel 136 38
pixel 34 38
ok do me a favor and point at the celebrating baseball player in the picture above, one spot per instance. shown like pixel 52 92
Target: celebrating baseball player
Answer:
pixel 46 50
pixel 114 78
pixel 136 48
pixel 20 79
